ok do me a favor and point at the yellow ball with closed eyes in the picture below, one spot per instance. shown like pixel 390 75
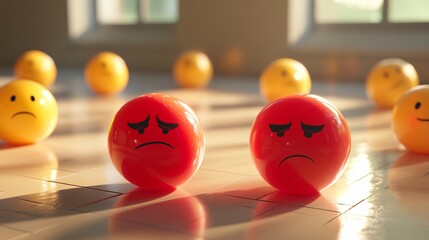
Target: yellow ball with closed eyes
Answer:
pixel 388 80
pixel 37 66
pixel 106 73
pixel 28 112
pixel 193 69
pixel 283 77
pixel 410 119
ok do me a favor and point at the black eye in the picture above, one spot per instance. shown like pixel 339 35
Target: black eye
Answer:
pixel 103 65
pixel 166 127
pixel 32 98
pixel 283 73
pixel 13 98
pixel 280 129
pixel 417 106
pixel 386 74
pixel 310 129
pixel 140 126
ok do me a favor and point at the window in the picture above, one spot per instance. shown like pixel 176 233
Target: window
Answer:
pixel 364 25
pixel 371 11
pixel 348 11
pixel 143 32
pixel 343 39
pixel 408 11
pixel 136 11
pixel 113 22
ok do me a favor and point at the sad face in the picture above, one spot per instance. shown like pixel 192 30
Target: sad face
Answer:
pixel 193 69
pixel 284 77
pixel 389 79
pixel 300 144
pixel 37 66
pixel 28 112
pixel 106 73
pixel 156 142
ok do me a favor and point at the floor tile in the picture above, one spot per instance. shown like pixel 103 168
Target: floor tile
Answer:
pixel 66 187
pixel 69 199
pixel 8 233
pixel 105 178
pixel 15 185
pixel 207 181
pixel 359 227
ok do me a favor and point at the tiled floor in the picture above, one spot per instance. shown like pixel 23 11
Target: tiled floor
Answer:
pixel 65 187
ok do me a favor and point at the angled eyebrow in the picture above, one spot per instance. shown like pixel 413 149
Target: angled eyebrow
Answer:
pixel 166 125
pixel 280 127
pixel 140 125
pixel 311 128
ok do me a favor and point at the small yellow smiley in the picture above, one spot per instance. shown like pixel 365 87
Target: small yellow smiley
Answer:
pixel 28 112
pixel 388 80
pixel 284 77
pixel 37 66
pixel 410 118
pixel 193 69
pixel 106 73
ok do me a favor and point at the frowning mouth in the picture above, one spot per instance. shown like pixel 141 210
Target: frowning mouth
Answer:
pixel 26 113
pixel 423 119
pixel 151 143
pixel 296 156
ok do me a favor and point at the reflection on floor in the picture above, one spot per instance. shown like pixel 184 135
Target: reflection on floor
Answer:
pixel 66 187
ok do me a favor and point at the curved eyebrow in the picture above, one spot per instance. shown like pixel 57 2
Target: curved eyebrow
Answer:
pixel 280 127
pixel 312 128
pixel 140 125
pixel 166 125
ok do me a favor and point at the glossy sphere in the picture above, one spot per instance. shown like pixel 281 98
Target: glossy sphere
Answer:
pixel 300 144
pixel 28 112
pixel 193 69
pixel 106 73
pixel 37 66
pixel 410 119
pixel 388 80
pixel 156 142
pixel 284 77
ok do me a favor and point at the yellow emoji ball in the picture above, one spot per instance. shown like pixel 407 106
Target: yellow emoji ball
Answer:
pixel 28 112
pixel 106 73
pixel 284 77
pixel 193 69
pixel 388 80
pixel 410 119
pixel 37 66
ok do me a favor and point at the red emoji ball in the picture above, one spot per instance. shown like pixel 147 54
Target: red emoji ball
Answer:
pixel 300 144
pixel 156 142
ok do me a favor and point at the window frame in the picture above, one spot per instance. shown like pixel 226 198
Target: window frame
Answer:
pixel 151 36
pixel 350 50
pixel 383 31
